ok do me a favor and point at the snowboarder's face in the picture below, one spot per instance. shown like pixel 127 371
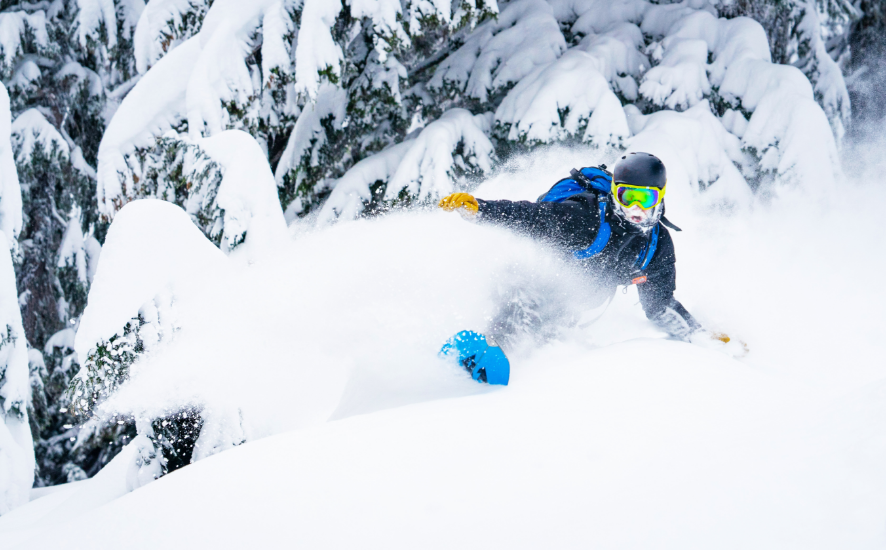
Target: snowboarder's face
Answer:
pixel 636 215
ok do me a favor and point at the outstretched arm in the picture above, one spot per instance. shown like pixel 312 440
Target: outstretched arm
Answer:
pixel 570 223
pixel 566 223
pixel 657 297
pixel 657 293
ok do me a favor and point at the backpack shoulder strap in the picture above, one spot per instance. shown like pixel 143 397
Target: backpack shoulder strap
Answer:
pixel 648 251
pixel 602 238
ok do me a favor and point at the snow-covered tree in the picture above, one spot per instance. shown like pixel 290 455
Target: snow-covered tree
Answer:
pixel 67 63
pixel 16 443
pixel 812 35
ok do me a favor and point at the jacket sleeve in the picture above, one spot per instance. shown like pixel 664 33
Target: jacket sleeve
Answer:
pixel 657 293
pixel 572 223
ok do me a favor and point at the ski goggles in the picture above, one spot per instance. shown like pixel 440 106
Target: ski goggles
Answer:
pixel 629 195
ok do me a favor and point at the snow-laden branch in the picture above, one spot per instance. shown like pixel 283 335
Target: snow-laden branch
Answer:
pixel 12 30
pixel 308 136
pixel 351 192
pixel 424 167
pixel 31 128
pixel 247 195
pixel 427 168
pixel 503 51
pixel 569 97
pixel 155 247
pixel 96 13
pixel 156 32
pixel 316 50
pixel 786 130
pixel 153 106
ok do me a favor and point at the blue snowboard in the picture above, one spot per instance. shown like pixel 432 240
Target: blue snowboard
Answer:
pixel 483 359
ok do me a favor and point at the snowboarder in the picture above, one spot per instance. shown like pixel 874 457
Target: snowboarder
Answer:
pixel 613 225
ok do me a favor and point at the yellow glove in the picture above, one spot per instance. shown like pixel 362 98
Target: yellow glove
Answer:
pixel 459 200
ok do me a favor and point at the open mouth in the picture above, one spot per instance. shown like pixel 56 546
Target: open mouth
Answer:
pixel 637 218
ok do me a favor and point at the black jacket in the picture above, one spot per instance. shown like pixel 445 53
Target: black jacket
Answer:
pixel 572 225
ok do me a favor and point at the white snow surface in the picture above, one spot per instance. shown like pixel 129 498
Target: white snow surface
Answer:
pixel 608 436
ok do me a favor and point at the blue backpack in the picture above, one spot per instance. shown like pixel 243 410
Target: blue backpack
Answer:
pixel 598 180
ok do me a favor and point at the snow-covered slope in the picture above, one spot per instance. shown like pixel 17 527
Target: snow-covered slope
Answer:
pixel 607 437
pixel 587 448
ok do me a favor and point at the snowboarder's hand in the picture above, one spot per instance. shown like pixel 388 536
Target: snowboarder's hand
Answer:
pixel 459 200
pixel 720 341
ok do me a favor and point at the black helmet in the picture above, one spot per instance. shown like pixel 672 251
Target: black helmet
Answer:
pixel 641 169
